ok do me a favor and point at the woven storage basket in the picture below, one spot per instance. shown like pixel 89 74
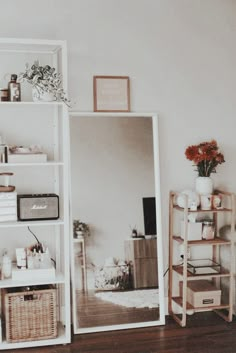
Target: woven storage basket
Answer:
pixel 30 315
pixel 112 277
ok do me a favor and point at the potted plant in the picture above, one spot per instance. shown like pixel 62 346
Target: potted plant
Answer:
pixel 206 157
pixel 46 82
pixel 80 229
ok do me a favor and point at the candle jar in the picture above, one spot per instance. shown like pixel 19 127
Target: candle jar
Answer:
pixel 4 95
pixel 208 230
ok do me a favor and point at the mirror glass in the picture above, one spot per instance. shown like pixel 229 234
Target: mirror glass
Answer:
pixel 116 252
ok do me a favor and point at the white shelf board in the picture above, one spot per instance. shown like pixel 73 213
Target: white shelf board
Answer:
pixel 61 339
pixel 9 283
pixel 15 224
pixel 18 45
pixel 24 103
pixel 44 164
pixel 111 114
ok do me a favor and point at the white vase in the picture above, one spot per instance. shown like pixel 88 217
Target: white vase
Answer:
pixel 79 234
pixel 204 185
pixel 42 96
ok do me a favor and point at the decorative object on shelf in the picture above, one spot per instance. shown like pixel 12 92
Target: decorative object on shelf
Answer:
pixel 31 154
pixel 208 230
pixel 33 207
pixel 202 293
pixel 4 95
pixel 204 185
pixel 46 82
pixel 206 202
pixel 40 95
pixel 203 266
pixel 33 261
pixel 193 199
pixel 6 187
pixel 6 265
pixel 194 231
pixel 206 157
pixel 134 232
pixel 81 229
pixel 217 201
pixel 21 258
pixel 111 93
pixel 14 91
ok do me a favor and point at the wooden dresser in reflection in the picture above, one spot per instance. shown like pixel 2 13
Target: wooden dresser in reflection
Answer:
pixel 142 255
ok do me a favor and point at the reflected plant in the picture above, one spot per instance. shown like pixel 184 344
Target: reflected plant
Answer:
pixel 79 226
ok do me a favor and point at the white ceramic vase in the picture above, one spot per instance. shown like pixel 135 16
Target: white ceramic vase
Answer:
pixel 204 185
pixel 79 234
pixel 42 96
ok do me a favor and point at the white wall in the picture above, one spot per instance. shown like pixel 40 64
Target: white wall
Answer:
pixel 180 56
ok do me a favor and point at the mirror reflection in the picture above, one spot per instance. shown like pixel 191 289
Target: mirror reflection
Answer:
pixel 115 277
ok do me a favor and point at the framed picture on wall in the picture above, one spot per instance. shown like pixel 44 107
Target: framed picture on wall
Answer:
pixel 111 93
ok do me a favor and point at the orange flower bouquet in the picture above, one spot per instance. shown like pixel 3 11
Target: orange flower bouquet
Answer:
pixel 205 156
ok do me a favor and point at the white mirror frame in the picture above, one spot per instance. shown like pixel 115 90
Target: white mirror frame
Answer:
pixel 161 319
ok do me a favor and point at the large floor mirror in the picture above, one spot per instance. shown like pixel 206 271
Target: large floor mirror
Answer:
pixel 116 245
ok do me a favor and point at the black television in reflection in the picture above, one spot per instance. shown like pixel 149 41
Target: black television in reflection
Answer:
pixel 149 214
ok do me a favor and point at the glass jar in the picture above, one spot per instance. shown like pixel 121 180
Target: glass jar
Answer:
pixel 208 230
pixel 4 95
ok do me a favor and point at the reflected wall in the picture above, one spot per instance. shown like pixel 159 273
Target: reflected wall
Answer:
pixel 113 171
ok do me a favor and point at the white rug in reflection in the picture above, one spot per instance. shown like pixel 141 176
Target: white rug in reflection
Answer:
pixel 141 298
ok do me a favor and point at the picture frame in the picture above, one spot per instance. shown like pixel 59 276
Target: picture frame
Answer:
pixel 111 93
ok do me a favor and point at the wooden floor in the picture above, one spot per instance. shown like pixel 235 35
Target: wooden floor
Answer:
pixel 94 312
pixel 205 333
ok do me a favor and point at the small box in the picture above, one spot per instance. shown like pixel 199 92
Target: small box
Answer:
pixel 27 158
pixel 202 293
pixel 194 230
pixel 30 274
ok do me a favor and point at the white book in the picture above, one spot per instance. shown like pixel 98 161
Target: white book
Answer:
pixel 7 211
pixel 8 217
pixel 30 274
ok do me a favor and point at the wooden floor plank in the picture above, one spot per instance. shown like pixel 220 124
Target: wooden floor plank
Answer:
pixel 94 312
pixel 205 333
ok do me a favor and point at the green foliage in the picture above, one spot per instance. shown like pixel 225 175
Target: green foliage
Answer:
pixel 79 226
pixel 44 79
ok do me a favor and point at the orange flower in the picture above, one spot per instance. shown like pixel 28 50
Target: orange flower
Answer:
pixel 205 156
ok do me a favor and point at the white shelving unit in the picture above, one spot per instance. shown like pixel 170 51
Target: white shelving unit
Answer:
pixel 46 124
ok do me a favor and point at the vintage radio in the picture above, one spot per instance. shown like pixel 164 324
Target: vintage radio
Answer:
pixel 32 207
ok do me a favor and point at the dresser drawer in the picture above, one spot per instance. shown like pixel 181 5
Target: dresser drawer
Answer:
pixel 140 248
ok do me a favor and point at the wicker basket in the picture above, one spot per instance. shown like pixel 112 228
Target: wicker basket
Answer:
pixel 30 315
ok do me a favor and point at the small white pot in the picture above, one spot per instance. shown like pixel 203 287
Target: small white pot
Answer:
pixel 79 234
pixel 39 95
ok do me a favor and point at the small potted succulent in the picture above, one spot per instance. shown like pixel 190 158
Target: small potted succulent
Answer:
pixel 80 229
pixel 46 82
